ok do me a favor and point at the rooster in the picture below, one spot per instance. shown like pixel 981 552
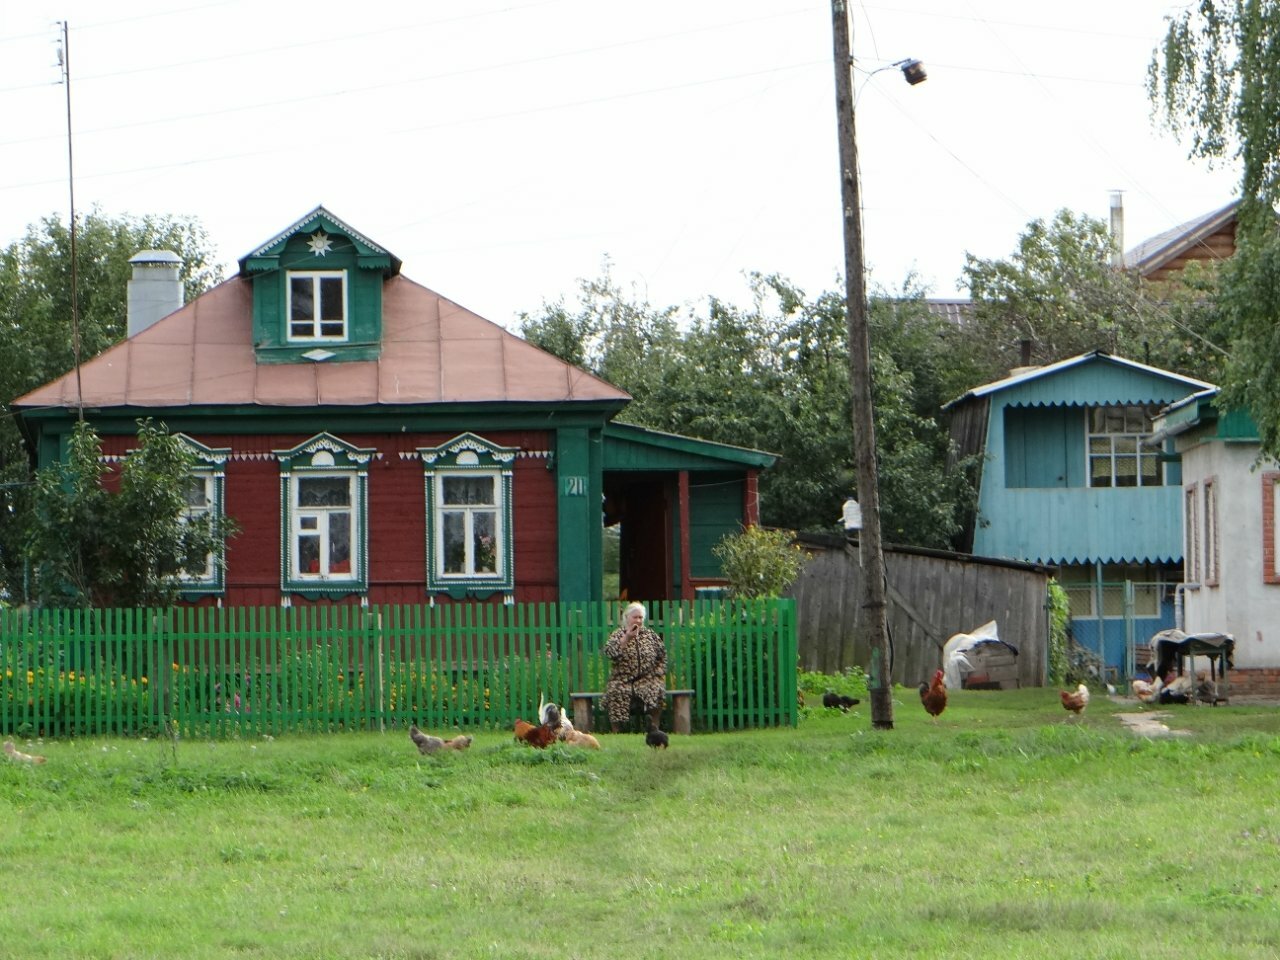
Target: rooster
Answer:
pixel 550 715
pixel 18 756
pixel 1075 700
pixel 541 736
pixel 934 696
pixel 426 743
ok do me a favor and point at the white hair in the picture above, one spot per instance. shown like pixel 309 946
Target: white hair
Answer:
pixel 634 605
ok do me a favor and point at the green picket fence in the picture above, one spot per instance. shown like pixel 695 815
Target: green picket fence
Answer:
pixel 270 670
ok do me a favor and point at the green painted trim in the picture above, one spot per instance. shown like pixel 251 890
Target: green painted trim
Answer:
pixel 704 449
pixel 579 493
pixel 320 218
pixel 362 288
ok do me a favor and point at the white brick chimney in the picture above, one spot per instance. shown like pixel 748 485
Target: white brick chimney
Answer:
pixel 155 291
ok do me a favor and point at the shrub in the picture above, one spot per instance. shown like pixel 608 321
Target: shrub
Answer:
pixel 759 562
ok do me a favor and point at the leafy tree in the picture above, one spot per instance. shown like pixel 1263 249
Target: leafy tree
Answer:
pixel 35 326
pixel 1217 78
pixel 91 545
pixel 1060 291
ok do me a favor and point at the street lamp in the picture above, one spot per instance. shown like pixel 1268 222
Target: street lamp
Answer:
pixel 870 547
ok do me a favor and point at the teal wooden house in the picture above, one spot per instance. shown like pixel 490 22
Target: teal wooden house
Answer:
pixel 1072 479
pixel 378 443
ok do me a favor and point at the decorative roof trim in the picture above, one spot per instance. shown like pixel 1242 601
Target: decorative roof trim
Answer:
pixel 319 211
pixel 1036 373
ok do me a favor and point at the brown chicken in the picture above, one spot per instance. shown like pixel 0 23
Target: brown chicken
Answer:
pixel 576 738
pixel 458 743
pixel 934 696
pixel 541 736
pixel 1075 700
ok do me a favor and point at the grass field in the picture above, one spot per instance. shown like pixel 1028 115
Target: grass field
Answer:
pixel 1003 830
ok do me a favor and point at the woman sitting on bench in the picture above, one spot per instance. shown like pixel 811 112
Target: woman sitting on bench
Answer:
pixel 637 669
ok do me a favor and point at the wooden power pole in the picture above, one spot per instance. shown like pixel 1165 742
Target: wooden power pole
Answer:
pixel 871 550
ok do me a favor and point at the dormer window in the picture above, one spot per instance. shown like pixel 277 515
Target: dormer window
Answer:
pixel 317 305
pixel 317 293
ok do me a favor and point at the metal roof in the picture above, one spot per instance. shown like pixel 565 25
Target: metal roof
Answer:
pixel 1036 373
pixel 433 351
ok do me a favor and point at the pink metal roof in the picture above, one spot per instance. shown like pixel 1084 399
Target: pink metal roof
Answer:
pixel 433 351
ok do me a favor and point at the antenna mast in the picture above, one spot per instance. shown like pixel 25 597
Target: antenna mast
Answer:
pixel 64 61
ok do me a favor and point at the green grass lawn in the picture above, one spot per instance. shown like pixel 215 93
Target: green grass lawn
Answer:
pixel 1004 830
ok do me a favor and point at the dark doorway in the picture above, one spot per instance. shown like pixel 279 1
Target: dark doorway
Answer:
pixel 642 508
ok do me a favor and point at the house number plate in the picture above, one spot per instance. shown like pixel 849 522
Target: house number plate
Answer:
pixel 575 486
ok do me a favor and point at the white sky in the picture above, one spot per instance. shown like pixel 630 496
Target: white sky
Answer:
pixel 503 148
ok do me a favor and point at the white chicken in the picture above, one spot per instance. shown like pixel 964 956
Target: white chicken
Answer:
pixel 550 714
pixel 1148 691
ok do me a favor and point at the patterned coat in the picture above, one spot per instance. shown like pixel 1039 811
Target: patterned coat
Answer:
pixel 638 668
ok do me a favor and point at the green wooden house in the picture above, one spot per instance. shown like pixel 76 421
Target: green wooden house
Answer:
pixel 1070 478
pixel 378 443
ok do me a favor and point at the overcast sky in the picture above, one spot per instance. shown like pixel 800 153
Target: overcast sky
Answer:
pixel 502 149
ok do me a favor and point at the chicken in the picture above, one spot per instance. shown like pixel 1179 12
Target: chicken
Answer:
pixel 832 699
pixel 426 743
pixel 541 736
pixel 934 696
pixel 457 743
pixel 576 738
pixel 1147 691
pixel 550 714
pixel 1075 700
pixel 656 738
pixel 18 756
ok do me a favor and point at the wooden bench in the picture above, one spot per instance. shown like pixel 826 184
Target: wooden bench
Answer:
pixel 681 707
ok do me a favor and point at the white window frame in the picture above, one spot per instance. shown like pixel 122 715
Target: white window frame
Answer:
pixel 1211 553
pixel 324 456
pixel 469 456
pixel 1135 430
pixel 210 468
pixel 316 321
pixel 211 509
pixel 469 513
pixel 1191 529
pixel 298 528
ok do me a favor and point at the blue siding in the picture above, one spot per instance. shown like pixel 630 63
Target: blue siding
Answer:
pixel 1034 503
pixel 1044 447
pixel 1080 525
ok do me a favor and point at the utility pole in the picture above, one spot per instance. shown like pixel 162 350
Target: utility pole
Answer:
pixel 64 60
pixel 870 548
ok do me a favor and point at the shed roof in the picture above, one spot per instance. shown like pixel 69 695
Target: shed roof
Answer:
pixel 1131 392
pixel 628 446
pixel 433 351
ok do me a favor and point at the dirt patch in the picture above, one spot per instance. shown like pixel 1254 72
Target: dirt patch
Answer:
pixel 1150 724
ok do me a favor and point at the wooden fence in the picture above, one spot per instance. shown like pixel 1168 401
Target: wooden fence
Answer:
pixel 217 672
pixel 932 595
